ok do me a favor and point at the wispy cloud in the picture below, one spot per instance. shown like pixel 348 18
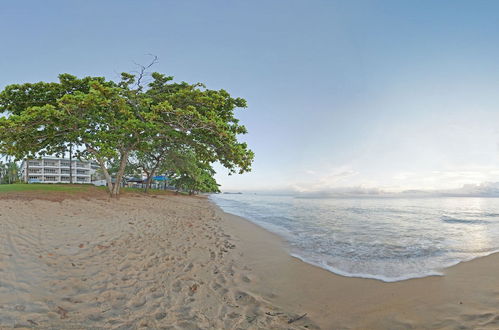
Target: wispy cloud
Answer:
pixel 330 180
pixel 484 189
pixel 346 181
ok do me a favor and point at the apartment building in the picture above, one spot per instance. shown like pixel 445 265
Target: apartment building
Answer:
pixel 57 170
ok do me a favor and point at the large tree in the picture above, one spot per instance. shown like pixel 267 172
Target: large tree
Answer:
pixel 108 121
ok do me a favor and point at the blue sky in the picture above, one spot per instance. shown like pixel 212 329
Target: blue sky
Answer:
pixel 390 94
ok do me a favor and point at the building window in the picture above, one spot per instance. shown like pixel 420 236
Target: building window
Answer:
pixel 50 170
pixel 65 164
pixel 50 178
pixel 65 178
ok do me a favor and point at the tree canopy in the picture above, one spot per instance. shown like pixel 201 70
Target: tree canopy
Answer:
pixel 112 121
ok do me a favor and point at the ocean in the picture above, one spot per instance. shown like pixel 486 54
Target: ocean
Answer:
pixel 388 239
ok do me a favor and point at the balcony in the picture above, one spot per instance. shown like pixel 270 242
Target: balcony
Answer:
pixel 51 164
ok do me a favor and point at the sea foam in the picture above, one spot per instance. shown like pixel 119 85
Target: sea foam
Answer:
pixel 388 239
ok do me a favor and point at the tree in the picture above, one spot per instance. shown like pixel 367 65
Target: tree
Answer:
pixel 17 99
pixel 109 121
pixel 190 174
pixel 157 156
pixel 9 172
pixel 3 171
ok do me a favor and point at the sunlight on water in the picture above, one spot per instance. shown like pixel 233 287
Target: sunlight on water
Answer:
pixel 389 239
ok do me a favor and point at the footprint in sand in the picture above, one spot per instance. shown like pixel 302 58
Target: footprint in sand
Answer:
pixel 245 278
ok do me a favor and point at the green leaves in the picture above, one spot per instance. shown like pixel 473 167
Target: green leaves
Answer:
pixel 110 121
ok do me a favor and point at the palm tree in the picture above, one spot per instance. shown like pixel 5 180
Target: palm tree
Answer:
pixel 13 172
pixel 9 172
pixel 3 171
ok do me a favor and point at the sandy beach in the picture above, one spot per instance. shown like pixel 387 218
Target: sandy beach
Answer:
pixel 179 262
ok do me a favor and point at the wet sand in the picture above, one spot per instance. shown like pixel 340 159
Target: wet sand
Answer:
pixel 467 297
pixel 178 262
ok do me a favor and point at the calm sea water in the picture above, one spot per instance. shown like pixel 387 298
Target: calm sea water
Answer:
pixel 389 239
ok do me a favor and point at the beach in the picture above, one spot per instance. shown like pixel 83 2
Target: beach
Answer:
pixel 464 298
pixel 180 262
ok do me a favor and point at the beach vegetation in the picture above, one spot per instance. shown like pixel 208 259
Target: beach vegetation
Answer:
pixel 116 123
pixel 9 172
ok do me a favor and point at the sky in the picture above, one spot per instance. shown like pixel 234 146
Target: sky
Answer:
pixel 390 95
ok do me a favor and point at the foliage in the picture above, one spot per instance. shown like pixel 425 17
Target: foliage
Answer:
pixel 112 121
pixel 198 179
pixel 9 172
pixel 188 172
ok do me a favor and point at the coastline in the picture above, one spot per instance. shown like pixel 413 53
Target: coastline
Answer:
pixel 181 262
pixel 465 296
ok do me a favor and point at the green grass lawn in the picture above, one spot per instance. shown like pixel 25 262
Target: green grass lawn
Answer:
pixel 69 188
pixel 18 187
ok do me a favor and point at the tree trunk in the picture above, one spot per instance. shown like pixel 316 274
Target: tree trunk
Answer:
pixel 109 180
pixel 113 189
pixel 119 176
pixel 27 170
pixel 149 180
pixel 71 163
pixel 148 175
pixel 9 170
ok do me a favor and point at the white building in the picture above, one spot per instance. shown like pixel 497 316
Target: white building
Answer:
pixel 57 170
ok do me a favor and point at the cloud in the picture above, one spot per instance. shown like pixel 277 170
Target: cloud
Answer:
pixel 441 179
pixel 484 189
pixel 348 181
pixel 330 180
pixel 344 192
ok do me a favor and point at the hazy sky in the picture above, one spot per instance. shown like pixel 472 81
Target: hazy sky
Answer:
pixel 390 94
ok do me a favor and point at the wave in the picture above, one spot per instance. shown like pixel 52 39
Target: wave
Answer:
pixel 387 278
pixel 379 277
pixel 448 219
pixel 389 241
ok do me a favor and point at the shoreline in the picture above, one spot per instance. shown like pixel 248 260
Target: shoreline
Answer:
pixel 286 247
pixel 181 262
pixel 464 295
